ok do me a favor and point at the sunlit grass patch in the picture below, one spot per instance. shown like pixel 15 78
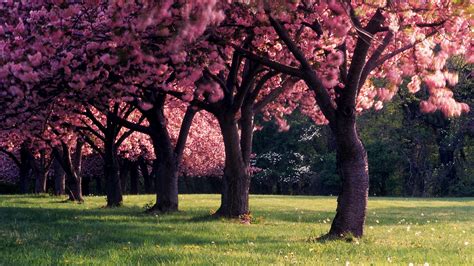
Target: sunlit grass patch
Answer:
pixel 44 230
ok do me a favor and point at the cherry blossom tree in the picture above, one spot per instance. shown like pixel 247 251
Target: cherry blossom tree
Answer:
pixel 353 56
pixel 127 51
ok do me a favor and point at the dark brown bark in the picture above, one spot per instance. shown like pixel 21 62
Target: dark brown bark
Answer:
pixel 168 157
pixel 134 178
pixel 40 183
pixel 353 170
pixel 112 177
pixel 59 179
pixel 25 168
pixel 72 168
pixel 41 170
pixel 124 173
pixel 236 179
pixel 147 180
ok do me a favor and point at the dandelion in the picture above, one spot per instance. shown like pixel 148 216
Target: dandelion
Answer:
pixel 347 263
pixel 371 227
pixel 377 221
pixel 466 243
pixel 389 259
pixel 422 214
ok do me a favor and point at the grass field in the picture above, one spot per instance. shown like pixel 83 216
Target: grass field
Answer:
pixel 44 230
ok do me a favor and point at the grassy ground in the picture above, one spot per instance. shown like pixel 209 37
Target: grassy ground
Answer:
pixel 43 230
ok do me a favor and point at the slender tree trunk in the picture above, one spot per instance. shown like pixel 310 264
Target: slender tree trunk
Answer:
pixel 112 177
pixel 72 168
pixel 124 173
pixel 59 179
pixel 24 169
pixel 353 169
pixel 98 184
pixel 236 179
pixel 75 187
pixel 41 172
pixel 134 178
pixel 40 183
pixel 147 180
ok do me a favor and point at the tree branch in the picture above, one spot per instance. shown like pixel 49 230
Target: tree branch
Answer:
pixel 184 132
pixel 12 156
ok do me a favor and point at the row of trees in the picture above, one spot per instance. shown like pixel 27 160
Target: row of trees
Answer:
pixel 98 73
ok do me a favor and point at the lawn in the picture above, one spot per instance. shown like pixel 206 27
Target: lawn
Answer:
pixel 45 230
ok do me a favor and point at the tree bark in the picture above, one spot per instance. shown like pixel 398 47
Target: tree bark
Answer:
pixel 134 178
pixel 112 177
pixel 72 168
pixel 168 156
pixel 24 169
pixel 59 179
pixel 40 183
pixel 236 179
pixel 147 180
pixel 41 169
pixel 166 186
pixel 353 170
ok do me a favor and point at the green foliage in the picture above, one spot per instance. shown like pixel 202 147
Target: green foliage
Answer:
pixel 45 231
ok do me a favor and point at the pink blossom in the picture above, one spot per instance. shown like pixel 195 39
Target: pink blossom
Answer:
pixel 427 107
pixel 145 106
pixel 414 85
pixel 335 59
pixel 435 80
pixel 451 78
pixel 108 59
pixel 35 59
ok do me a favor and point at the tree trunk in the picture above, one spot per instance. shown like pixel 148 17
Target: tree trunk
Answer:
pixel 134 178
pixel 166 186
pixel 112 177
pixel 59 179
pixel 353 170
pixel 72 168
pixel 74 185
pixel 236 179
pixel 147 180
pixel 40 183
pixel 24 169
pixel 98 184
pixel 41 169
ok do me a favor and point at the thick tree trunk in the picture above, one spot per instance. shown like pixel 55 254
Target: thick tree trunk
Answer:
pixel 236 179
pixel 59 179
pixel 167 156
pixel 112 177
pixel 166 186
pixel 353 169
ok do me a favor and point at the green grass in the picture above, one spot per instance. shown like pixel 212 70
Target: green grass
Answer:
pixel 44 230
